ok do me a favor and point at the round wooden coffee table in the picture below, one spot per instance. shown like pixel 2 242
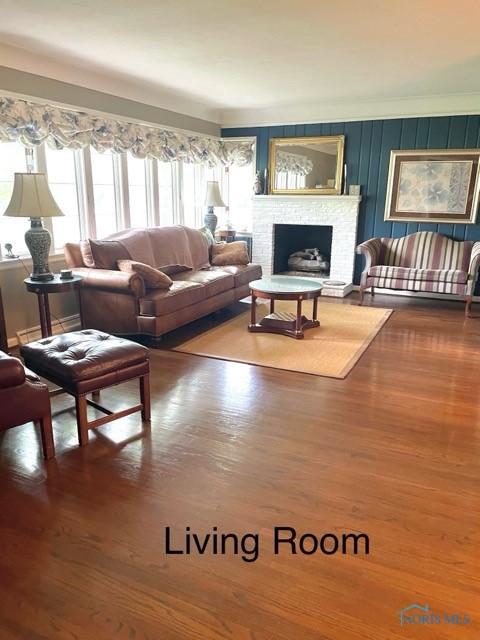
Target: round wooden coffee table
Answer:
pixel 284 288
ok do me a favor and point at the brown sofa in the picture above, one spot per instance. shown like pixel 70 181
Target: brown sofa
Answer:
pixel 120 303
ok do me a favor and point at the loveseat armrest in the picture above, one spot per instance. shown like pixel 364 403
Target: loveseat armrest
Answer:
pixel 12 372
pixel 111 280
pixel 371 249
pixel 473 268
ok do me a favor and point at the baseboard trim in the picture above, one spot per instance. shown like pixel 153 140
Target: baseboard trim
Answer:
pixel 418 294
pixel 69 323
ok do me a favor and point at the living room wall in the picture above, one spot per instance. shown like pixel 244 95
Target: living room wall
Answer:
pixel 367 152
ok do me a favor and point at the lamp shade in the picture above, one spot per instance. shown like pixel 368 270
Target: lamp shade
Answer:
pixel 213 197
pixel 32 198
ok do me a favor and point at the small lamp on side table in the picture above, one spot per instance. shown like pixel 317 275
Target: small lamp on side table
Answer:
pixel 32 198
pixel 213 199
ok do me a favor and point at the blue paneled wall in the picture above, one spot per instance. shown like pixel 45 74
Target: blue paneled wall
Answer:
pixel 367 153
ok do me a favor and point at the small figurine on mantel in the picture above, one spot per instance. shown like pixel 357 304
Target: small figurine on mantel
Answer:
pixel 257 184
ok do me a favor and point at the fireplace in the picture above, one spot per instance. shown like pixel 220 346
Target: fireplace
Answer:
pixel 340 213
pixel 302 249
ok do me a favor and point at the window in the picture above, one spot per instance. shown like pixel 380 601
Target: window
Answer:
pixel 238 184
pixel 166 172
pixel 62 180
pixel 105 194
pixel 137 191
pixel 12 230
pixel 100 193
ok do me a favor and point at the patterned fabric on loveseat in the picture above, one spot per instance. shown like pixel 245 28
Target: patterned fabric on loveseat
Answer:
pixel 423 261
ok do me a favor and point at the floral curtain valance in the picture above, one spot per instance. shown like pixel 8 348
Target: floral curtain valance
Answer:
pixel 293 163
pixel 32 124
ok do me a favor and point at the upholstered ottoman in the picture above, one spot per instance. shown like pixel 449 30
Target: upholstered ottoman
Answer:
pixel 83 362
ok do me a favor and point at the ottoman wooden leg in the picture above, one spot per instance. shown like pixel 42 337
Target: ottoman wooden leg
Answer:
pixel 95 396
pixel 82 420
pixel 46 432
pixel 145 397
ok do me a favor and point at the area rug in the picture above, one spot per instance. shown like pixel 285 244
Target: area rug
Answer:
pixel 330 350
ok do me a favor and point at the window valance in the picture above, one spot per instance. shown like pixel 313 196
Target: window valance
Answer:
pixel 33 124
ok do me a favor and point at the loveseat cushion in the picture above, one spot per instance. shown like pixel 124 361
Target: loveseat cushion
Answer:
pixel 243 274
pixel 419 275
pixel 164 301
pixel 214 280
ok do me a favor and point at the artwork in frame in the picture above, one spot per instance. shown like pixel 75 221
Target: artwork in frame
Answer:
pixel 433 186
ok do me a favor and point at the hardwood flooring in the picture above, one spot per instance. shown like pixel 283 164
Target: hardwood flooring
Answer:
pixel 392 451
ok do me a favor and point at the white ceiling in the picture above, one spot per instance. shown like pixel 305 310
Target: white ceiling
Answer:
pixel 257 61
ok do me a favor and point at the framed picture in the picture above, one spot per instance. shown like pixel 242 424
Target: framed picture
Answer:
pixel 433 186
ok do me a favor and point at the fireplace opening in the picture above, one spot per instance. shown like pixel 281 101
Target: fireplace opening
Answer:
pixel 302 249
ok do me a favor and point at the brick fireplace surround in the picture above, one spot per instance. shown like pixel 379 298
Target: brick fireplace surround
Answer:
pixel 341 212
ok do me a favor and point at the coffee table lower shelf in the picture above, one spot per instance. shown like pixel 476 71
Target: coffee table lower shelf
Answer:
pixel 285 324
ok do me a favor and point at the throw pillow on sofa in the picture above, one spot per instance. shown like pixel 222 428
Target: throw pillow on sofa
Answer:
pixel 154 278
pixel 102 254
pixel 226 253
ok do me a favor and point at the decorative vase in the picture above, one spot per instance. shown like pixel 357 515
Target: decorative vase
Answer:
pixel 38 241
pixel 210 220
pixel 257 184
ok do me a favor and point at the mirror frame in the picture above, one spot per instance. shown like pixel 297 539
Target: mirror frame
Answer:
pixel 276 143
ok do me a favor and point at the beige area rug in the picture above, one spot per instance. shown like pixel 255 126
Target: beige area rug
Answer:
pixel 331 350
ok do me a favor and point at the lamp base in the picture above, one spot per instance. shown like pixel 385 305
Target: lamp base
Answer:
pixel 38 241
pixel 42 277
pixel 210 220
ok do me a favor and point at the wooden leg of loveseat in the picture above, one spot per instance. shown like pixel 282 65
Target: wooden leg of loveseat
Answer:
pixel 361 291
pixel 468 306
pixel 372 290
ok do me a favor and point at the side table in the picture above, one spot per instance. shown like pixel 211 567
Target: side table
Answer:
pixel 42 289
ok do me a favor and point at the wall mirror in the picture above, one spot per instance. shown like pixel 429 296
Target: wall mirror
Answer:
pixel 311 166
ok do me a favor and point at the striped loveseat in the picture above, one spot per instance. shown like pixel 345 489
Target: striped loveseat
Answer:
pixel 423 261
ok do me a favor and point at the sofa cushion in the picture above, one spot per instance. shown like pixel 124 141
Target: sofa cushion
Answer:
pixel 103 254
pixel 243 274
pixel 214 280
pixel 160 302
pixel 136 243
pixel 419 275
pixel 225 253
pixel 154 278
pixel 170 248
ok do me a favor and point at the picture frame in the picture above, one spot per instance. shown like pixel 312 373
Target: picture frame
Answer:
pixel 433 185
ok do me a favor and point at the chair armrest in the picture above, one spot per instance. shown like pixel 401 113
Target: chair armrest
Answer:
pixel 473 268
pixel 111 280
pixel 12 372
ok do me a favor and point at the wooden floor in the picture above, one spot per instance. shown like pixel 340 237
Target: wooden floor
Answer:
pixel 392 451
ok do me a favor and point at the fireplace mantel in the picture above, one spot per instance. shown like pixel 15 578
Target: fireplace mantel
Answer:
pixel 340 212
pixel 298 197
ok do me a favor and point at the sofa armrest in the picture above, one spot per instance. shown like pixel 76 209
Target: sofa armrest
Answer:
pixel 110 280
pixel 473 268
pixel 12 372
